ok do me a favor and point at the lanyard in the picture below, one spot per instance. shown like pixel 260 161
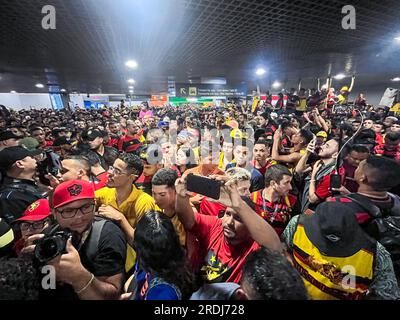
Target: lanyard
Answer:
pixel 273 216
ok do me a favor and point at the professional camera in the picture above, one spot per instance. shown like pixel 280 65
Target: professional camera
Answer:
pixel 53 244
pixel 50 164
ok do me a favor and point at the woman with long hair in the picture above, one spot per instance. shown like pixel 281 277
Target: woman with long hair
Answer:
pixel 185 159
pixel 162 269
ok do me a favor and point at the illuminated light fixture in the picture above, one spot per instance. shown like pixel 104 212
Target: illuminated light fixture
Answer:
pixel 130 91
pixel 340 76
pixel 131 64
pixel 132 81
pixel 397 39
pixel 63 90
pixel 13 91
pixel 260 72
pixel 39 85
pixel 397 79
pixel 131 87
pixel 276 85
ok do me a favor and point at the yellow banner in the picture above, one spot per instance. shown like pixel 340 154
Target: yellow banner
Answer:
pixel 256 100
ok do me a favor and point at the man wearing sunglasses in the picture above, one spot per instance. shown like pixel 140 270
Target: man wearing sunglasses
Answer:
pixel 84 272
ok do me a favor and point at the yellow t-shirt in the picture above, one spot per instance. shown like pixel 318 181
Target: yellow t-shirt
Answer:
pixel 302 106
pixel 133 208
pixel 342 99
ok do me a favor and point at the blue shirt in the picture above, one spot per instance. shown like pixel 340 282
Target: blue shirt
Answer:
pixel 257 179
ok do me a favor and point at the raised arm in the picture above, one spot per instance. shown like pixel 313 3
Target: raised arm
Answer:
pixel 259 229
pixel 302 164
pixel 290 158
pixel 320 120
pixel 353 78
pixel 182 205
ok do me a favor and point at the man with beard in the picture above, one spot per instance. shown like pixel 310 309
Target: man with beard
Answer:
pixel 225 243
pixel 317 185
pixel 115 134
pixel 130 143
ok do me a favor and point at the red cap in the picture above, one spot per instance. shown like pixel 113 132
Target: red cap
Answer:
pixel 38 210
pixel 71 191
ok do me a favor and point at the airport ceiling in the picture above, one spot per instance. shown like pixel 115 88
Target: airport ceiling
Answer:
pixel 186 39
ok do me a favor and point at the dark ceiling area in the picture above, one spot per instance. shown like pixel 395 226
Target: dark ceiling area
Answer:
pixel 186 39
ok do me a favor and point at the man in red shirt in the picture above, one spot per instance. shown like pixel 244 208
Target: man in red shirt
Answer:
pixel 379 129
pixel 131 141
pixel 357 154
pixel 261 156
pixel 391 148
pixel 40 136
pixel 225 243
pixel 274 203
pixel 115 134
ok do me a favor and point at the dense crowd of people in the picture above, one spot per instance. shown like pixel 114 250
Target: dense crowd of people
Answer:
pixel 308 205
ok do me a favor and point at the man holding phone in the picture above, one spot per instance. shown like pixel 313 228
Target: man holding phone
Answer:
pixel 208 166
pixel 225 243
pixel 318 185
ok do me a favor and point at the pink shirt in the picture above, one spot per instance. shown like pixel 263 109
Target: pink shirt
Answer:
pixel 142 114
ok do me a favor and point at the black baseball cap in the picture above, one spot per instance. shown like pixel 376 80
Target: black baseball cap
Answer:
pixel 61 141
pixel 334 230
pixel 8 134
pixel 92 134
pixel 9 156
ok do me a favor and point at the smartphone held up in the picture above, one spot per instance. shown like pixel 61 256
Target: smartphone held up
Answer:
pixel 207 187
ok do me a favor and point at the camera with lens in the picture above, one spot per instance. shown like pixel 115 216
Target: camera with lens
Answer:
pixel 50 164
pixel 53 244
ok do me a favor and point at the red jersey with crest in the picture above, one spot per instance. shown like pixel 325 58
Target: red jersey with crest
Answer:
pixel 278 214
pixel 221 262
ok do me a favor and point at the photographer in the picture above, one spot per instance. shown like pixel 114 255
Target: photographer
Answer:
pixel 37 217
pixel 19 188
pixel 92 268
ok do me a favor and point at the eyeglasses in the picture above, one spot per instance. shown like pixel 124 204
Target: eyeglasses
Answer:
pixel 37 225
pixel 71 212
pixel 116 171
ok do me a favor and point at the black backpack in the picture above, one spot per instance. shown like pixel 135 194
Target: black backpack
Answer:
pixel 385 225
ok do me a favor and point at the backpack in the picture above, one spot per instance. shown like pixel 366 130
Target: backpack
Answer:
pixel 385 226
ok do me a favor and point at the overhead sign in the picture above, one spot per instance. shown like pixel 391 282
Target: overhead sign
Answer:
pixel 187 90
